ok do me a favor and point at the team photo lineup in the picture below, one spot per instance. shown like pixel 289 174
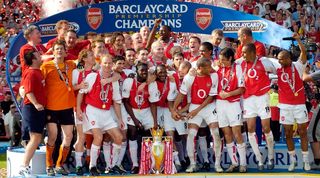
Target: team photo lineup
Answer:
pixel 103 93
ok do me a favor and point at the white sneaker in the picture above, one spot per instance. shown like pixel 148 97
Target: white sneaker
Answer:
pixel 191 168
pixel 218 168
pixel 306 166
pixel 25 171
pixel 292 166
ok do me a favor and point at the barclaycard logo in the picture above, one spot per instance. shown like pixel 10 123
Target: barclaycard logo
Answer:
pixel 234 26
pixel 47 30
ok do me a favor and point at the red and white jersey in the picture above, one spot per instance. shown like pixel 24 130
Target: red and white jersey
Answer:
pixel 94 92
pixel 285 79
pixel 167 48
pixel 140 99
pixel 200 87
pixel 178 85
pixel 124 74
pixel 187 55
pixel 168 92
pixel 256 77
pixel 77 78
pixel 230 79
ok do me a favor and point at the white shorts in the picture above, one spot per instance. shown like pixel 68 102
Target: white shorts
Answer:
pixel 298 114
pixel 169 123
pixel 257 106
pixel 229 113
pixel 144 116
pixel 124 115
pixel 207 114
pixel 98 118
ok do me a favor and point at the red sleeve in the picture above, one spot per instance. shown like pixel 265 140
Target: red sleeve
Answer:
pixel 238 52
pixel 260 49
pixel 50 43
pixel 83 44
pixel 42 49
pixel 23 50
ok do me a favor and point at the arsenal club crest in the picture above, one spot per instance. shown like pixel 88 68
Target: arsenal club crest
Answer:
pixel 94 17
pixel 203 17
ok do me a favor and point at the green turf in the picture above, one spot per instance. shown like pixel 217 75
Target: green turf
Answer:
pixel 3 160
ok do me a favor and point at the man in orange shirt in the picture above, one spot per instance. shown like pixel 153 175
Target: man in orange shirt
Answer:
pixel 60 102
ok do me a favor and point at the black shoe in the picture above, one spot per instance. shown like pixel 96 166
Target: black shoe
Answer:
pixel 94 171
pixel 118 170
pixel 50 171
pixel 183 166
pixel 79 171
pixel 61 170
pixel 206 166
pixel 187 161
pixel 135 170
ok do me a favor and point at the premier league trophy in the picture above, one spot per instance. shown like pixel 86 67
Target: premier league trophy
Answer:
pixel 157 150
pixel 156 154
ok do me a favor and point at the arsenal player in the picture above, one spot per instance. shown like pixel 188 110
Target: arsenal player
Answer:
pixel 85 63
pixel 230 89
pixel 193 53
pixel 181 109
pixel 256 100
pixel 60 102
pixel 33 110
pixel 202 87
pixel 99 99
pixel 73 45
pixel 245 37
pixel 118 67
pixel 33 36
pixel 139 100
pixel 137 41
pixel 168 91
pixel 292 102
pixel 62 26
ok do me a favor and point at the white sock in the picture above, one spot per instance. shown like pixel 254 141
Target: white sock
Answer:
pixel 107 153
pixel 270 144
pixel 216 145
pixel 78 156
pixel 180 149
pixel 244 137
pixel 192 133
pixel 115 153
pixel 242 153
pixel 305 156
pixel 94 153
pixel 232 151
pixel 254 145
pixel 176 158
pixel 292 156
pixel 204 148
pixel 133 149
pixel 122 152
